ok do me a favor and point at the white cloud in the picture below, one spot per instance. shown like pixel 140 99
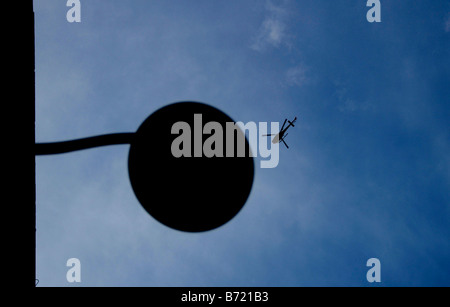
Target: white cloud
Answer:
pixel 273 31
pixel 346 100
pixel 296 76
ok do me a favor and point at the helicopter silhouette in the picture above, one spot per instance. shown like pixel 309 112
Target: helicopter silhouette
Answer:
pixel 280 136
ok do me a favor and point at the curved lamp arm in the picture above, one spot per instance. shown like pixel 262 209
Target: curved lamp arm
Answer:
pixel 80 144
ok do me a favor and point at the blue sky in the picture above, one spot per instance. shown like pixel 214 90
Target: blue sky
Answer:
pixel 368 169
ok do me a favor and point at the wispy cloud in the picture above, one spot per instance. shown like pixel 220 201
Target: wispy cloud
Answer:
pixel 273 31
pixel 297 75
pixel 346 101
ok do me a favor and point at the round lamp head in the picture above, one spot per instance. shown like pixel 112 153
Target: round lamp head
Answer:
pixel 185 172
